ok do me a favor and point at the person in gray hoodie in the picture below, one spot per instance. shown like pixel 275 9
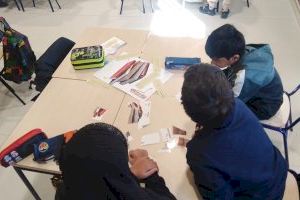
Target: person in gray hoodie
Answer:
pixel 249 69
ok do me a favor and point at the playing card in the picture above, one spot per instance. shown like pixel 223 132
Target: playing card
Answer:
pixel 128 136
pixel 153 138
pixel 178 131
pixel 98 113
pixel 145 117
pixel 182 141
pixel 165 134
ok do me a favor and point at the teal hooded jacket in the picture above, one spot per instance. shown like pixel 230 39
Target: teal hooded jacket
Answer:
pixel 259 84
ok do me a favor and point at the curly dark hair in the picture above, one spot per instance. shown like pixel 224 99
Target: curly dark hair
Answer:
pixel 207 96
pixel 225 41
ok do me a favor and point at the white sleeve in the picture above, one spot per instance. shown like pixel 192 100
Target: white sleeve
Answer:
pixel 239 82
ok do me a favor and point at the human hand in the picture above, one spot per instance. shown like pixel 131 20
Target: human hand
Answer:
pixel 144 167
pixel 136 154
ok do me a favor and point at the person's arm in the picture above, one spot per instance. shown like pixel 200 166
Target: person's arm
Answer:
pixel 145 170
pixel 156 184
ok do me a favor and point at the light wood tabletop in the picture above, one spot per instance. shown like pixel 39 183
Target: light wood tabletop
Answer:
pixel 66 105
pixel 157 48
pixel 135 40
pixel 165 113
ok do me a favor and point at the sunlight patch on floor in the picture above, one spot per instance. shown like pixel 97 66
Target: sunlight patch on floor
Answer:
pixel 173 20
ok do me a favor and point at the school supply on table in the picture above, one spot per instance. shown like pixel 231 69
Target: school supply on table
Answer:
pixel 88 57
pixel 139 113
pixel 50 148
pixel 180 63
pixel 126 75
pixel 21 148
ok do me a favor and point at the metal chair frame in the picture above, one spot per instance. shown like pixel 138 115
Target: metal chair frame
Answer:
pixel 288 126
pixel 143 2
pixel 33 1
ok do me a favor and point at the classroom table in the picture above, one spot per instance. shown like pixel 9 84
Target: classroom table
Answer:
pixel 157 48
pixel 135 40
pixel 165 113
pixel 64 105
pixel 65 78
pixel 70 98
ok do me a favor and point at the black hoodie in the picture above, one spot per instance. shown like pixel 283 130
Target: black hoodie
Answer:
pixel 94 165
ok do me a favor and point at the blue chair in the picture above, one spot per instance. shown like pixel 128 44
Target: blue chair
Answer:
pixel 282 121
pixel 143 1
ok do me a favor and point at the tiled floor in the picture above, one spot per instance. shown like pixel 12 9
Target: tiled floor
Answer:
pixel 267 21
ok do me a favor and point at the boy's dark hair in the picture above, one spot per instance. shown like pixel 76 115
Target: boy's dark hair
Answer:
pixel 91 138
pixel 225 41
pixel 207 96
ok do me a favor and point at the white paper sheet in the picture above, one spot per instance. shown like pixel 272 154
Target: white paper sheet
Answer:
pixel 178 96
pixel 164 76
pixel 153 138
pixel 145 119
pixel 164 135
pixel 112 45
pixel 142 94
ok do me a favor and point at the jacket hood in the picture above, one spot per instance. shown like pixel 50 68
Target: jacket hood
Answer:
pixel 259 63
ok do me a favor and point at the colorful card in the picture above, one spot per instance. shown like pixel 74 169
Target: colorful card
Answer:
pixel 98 113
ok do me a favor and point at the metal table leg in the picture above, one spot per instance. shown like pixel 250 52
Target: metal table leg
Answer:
pixel 27 183
pixel 11 90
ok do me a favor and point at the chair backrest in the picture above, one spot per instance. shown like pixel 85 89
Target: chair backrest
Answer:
pixel 50 60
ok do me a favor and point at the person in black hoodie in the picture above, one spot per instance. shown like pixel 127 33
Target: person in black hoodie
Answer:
pixel 94 165
pixel 230 154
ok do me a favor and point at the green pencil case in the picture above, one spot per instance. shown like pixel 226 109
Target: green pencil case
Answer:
pixel 87 57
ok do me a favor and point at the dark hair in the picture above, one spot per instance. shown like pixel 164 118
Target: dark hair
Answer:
pixel 225 41
pixel 206 95
pixel 95 157
pixel 88 141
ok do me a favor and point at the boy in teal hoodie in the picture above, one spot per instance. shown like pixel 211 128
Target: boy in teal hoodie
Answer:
pixel 249 69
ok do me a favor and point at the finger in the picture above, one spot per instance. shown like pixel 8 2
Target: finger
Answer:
pixel 132 151
pixel 150 172
pixel 150 164
pixel 131 159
